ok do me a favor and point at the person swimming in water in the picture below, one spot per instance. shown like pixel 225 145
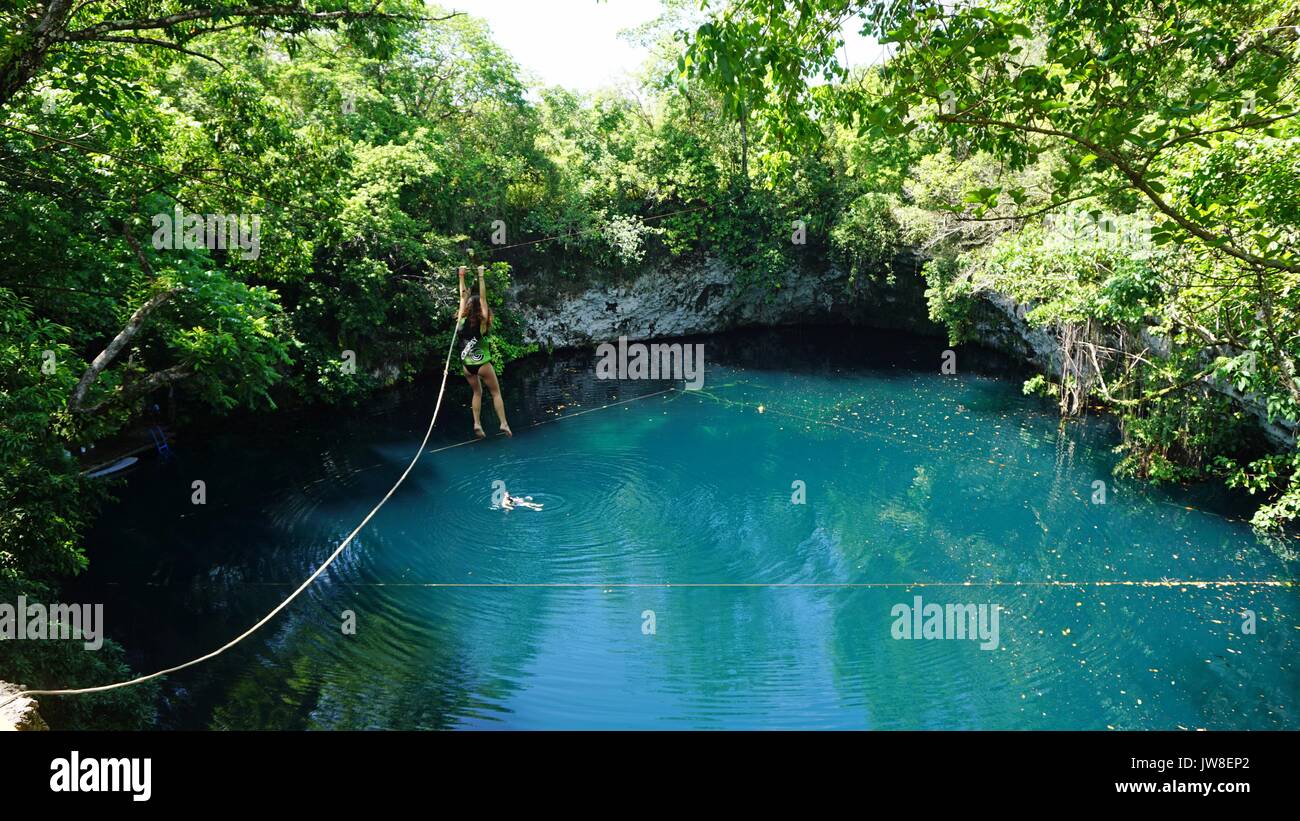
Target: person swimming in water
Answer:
pixel 512 502
pixel 473 331
pixel 508 502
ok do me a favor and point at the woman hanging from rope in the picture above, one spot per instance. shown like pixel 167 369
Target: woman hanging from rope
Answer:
pixel 473 331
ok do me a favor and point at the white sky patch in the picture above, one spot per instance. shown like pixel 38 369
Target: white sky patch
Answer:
pixel 859 50
pixel 570 43
pixel 576 43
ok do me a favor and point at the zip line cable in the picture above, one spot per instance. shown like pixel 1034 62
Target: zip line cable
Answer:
pixel 337 552
pixel 250 631
pixel 1197 583
pixel 560 418
pixel 419 452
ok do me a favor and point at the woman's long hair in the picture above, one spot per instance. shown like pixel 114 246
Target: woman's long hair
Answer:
pixel 473 314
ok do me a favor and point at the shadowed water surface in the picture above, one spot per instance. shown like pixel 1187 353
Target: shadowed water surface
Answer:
pixel 677 508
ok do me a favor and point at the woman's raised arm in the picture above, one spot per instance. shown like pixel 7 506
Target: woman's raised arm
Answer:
pixel 464 294
pixel 482 296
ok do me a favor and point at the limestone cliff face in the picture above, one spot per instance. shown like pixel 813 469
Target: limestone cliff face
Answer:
pixel 20 714
pixel 706 296
pixel 1002 324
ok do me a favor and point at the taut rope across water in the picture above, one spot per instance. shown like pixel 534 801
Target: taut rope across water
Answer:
pixel 1198 583
pixel 1146 583
pixel 337 552
pixel 250 631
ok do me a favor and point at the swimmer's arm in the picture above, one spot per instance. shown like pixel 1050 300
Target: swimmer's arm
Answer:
pixel 464 292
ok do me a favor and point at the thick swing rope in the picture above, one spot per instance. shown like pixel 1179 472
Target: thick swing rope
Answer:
pixel 262 622
pixel 337 552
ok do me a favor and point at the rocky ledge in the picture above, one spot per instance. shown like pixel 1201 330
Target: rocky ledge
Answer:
pixel 707 296
pixel 19 714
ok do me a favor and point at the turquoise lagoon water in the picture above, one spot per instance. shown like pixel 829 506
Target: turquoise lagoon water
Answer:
pixel 674 512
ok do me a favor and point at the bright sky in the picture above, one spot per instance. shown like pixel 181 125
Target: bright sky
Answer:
pixel 575 43
pixel 572 43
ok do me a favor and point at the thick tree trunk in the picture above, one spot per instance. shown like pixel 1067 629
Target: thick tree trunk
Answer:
pixel 115 347
pixel 1285 363
pixel 26 53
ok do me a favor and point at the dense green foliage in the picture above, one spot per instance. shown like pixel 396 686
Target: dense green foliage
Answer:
pixel 378 145
pixel 1130 172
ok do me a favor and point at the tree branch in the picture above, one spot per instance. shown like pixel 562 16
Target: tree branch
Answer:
pixel 1234 127
pixel 115 347
pixel 248 15
pixel 155 380
pixel 149 41
pixel 1037 212
pixel 1139 182
pixel 124 336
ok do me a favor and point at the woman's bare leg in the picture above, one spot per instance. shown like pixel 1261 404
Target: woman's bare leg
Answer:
pixel 489 377
pixel 476 404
